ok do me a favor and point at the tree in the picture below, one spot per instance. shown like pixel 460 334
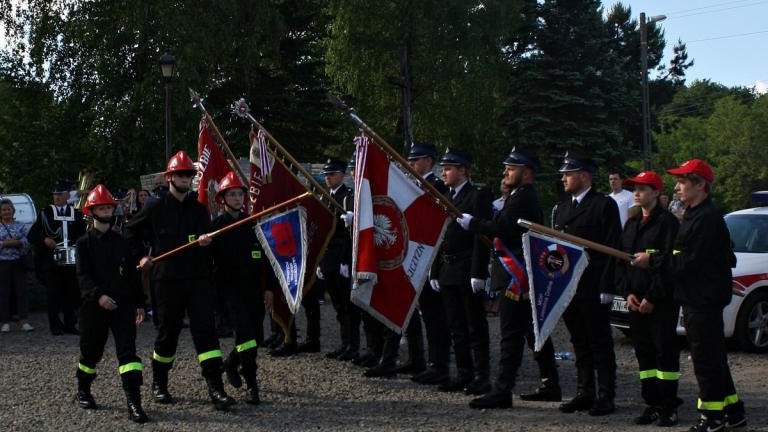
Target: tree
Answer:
pixel 456 52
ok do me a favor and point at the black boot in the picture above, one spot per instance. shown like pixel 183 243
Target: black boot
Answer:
pixel 230 368
pixel 252 390
pixel 160 392
pixel 135 411
pixel 548 391
pixel 494 399
pixel 84 398
pixel 218 396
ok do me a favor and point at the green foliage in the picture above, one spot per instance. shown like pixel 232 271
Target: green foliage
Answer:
pixel 731 137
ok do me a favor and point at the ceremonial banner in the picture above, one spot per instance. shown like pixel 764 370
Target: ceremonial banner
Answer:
pixel 554 268
pixel 398 228
pixel 272 182
pixel 285 234
pixel 213 166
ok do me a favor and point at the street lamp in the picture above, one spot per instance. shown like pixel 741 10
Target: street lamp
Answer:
pixel 644 73
pixel 168 69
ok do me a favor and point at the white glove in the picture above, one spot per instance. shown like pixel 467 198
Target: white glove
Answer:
pixel 344 270
pixel 347 218
pixel 606 298
pixel 464 220
pixel 435 285
pixel 477 285
pixel 319 274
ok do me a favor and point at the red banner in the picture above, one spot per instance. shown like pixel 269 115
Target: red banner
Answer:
pixel 213 166
pixel 398 229
pixel 278 185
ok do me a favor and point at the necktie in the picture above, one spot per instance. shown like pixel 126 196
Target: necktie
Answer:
pixel 61 211
pixel 453 193
pixel 575 203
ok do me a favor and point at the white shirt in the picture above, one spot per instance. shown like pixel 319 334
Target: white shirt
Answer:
pixel 624 200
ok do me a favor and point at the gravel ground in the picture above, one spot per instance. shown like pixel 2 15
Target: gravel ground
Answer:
pixel 309 392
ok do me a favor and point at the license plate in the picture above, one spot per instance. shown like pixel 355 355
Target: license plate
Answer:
pixel 620 305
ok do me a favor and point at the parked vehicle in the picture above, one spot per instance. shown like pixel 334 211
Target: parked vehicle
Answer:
pixel 746 317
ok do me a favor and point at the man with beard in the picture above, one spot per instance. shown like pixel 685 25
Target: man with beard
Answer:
pixel 183 281
pixel 515 319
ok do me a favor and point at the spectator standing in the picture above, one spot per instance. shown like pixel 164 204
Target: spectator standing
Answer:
pixel 13 247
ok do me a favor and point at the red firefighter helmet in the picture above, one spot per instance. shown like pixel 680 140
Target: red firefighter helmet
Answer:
pixel 180 162
pixel 98 196
pixel 230 181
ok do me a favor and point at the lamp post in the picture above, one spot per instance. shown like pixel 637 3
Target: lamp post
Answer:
pixel 168 69
pixel 644 74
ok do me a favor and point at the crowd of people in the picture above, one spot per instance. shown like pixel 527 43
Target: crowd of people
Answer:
pixel 680 256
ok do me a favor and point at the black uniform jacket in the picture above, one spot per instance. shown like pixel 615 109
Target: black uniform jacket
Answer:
pixel 167 223
pixel 655 236
pixel 522 203
pixel 104 266
pixel 340 246
pixel 463 255
pixel 596 218
pixel 237 254
pixel 45 226
pixel 703 258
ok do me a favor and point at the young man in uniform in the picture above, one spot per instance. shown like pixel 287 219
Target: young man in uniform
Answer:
pixel 112 300
pixel 183 281
pixel 422 159
pixel 701 266
pixel 238 268
pixel 58 223
pixel 460 271
pixel 592 216
pixel 647 284
pixel 515 319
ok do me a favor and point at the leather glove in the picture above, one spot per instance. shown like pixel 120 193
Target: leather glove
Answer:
pixel 319 274
pixel 435 285
pixel 344 270
pixel 464 220
pixel 477 285
pixel 347 218
pixel 606 298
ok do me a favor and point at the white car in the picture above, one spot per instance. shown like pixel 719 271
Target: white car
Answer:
pixel 746 317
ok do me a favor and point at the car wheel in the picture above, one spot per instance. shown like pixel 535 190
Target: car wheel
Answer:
pixel 752 323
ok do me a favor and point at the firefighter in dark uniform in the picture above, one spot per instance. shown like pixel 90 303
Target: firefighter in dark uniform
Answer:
pixel 647 285
pixel 461 269
pixel 183 281
pixel 515 319
pixel 592 216
pixel 55 222
pixel 112 300
pixel 702 259
pixel 238 268
pixel 335 267
pixel 422 158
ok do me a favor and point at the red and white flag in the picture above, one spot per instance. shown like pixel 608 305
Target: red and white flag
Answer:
pixel 213 166
pixel 398 228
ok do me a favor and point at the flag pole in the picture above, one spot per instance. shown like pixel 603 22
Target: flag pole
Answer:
pixel 250 218
pixel 574 239
pixel 240 108
pixel 352 115
pixel 196 102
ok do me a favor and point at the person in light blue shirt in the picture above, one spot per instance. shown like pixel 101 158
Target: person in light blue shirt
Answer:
pixel 13 247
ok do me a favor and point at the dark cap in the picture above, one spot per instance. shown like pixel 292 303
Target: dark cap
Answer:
pixel 455 158
pixel 333 165
pixel 519 158
pixel 576 162
pixel 694 166
pixel 421 150
pixel 62 186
